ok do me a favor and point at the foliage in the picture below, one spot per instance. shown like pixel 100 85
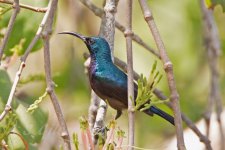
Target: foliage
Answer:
pixel 30 126
pixel 75 141
pixel 213 3
pixel 23 31
pixel 7 125
pixel 145 89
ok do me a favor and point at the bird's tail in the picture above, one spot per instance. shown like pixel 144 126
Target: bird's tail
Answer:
pixel 157 111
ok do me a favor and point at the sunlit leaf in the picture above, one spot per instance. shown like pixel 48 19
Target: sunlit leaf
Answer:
pixel 5 85
pixel 213 3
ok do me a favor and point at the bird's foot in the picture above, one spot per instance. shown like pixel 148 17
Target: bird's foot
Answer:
pixel 100 133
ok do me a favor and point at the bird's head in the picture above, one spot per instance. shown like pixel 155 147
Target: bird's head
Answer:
pixel 97 46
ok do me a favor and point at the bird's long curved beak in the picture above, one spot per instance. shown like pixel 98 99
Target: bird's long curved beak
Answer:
pixel 83 38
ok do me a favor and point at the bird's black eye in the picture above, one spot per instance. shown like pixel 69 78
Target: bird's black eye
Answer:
pixel 90 41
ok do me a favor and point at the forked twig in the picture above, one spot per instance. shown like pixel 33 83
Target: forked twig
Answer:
pixel 36 9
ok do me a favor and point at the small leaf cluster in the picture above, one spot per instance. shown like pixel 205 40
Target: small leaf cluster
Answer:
pixel 212 3
pixel 8 123
pixel 146 87
pixel 76 141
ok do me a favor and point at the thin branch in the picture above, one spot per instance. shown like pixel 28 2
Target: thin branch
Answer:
pixel 22 139
pixel 128 34
pixel 22 64
pixel 212 44
pixel 93 109
pixel 168 67
pixel 10 27
pixel 36 9
pixel 100 13
pixel 50 84
pixel 161 96
pixel 10 99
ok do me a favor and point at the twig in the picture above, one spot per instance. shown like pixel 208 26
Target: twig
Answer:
pixel 212 44
pixel 93 109
pixel 50 84
pixel 9 28
pixel 100 118
pixel 22 139
pixel 110 135
pixel 161 96
pixel 22 64
pixel 128 34
pixel 36 9
pixel 3 145
pixel 94 102
pixel 168 66
pixel 100 13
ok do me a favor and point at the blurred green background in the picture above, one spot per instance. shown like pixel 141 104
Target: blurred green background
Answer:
pixel 180 25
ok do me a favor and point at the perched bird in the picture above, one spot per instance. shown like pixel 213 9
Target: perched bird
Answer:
pixel 107 80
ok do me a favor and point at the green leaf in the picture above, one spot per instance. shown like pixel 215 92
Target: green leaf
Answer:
pixel 75 141
pixel 5 85
pixel 7 124
pixel 213 3
pixel 31 126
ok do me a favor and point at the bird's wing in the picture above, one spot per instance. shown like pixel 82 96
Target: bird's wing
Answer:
pixel 112 89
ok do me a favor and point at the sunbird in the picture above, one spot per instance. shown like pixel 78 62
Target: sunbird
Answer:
pixel 107 80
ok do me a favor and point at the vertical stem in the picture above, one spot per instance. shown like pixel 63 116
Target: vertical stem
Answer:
pixel 50 84
pixel 168 67
pixel 212 44
pixel 128 34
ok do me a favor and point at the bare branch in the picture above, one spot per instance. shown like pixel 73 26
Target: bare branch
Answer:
pixel 10 99
pixel 168 66
pixel 50 84
pixel 22 64
pixel 10 26
pixel 36 9
pixel 22 139
pixel 212 44
pixel 100 13
pixel 128 34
